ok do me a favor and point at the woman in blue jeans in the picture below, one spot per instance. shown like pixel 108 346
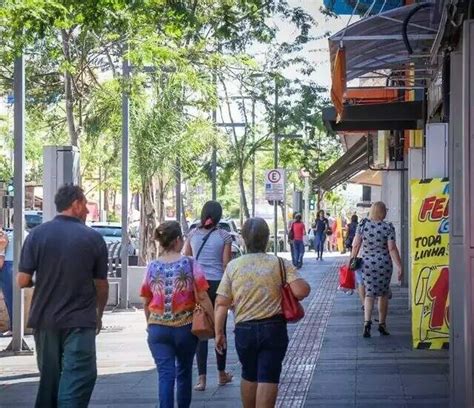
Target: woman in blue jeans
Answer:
pixel 320 227
pixel 211 246
pixel 169 300
pixel 252 284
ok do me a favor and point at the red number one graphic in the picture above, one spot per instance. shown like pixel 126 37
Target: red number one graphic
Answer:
pixel 439 294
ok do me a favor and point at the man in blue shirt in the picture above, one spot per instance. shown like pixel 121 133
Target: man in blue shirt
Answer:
pixel 69 262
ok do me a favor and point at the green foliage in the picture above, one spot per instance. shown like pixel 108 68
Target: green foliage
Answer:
pixel 74 51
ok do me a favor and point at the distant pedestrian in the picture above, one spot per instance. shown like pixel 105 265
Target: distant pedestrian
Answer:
pixel 320 228
pixel 211 246
pixel 252 286
pixel 291 238
pixel 298 231
pixel 169 301
pixel 6 280
pixel 69 262
pixel 351 231
pixel 376 237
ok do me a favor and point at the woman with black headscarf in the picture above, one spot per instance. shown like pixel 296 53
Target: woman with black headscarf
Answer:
pixel 212 248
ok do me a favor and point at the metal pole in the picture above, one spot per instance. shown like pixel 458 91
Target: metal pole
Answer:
pixel 100 194
pixel 125 181
pixel 178 191
pixel 275 166
pixel 253 158
pixel 214 150
pixel 18 344
pixel 307 220
pixel 214 173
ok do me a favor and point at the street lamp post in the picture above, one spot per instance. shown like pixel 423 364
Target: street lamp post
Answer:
pixel 18 344
pixel 125 181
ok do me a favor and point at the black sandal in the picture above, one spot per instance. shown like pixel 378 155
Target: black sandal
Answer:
pixel 383 330
pixel 367 327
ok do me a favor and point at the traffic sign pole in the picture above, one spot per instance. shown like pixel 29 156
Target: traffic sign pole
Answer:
pixel 275 166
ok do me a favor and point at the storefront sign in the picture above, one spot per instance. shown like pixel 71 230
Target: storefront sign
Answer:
pixel 430 263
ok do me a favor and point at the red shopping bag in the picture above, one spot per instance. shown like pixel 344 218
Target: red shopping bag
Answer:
pixel 346 278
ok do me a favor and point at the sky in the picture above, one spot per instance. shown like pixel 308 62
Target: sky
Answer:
pixel 316 51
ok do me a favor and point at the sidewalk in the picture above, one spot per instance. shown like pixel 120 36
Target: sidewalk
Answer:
pixel 328 363
pixel 381 371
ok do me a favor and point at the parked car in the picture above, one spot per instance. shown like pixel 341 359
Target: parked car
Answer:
pixel 230 226
pixel 33 219
pixel 112 234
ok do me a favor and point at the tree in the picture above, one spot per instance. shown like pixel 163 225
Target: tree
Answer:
pixel 68 44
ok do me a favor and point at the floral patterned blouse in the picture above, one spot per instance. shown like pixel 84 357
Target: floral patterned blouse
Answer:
pixel 170 288
pixel 253 283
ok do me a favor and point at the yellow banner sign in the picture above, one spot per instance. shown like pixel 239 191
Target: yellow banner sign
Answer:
pixel 429 247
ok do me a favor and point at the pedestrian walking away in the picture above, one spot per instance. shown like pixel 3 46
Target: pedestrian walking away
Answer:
pixel 298 231
pixel 6 279
pixel 351 231
pixel 330 232
pixel 168 290
pixel 212 248
pixel 68 261
pixel 251 285
pixel 320 228
pixel 291 238
pixel 376 237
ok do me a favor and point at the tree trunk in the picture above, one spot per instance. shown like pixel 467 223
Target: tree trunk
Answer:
pixel 184 221
pixel 285 225
pixel 242 193
pixel 106 201
pixel 68 92
pixel 320 200
pixel 114 202
pixel 147 223
pixel 161 200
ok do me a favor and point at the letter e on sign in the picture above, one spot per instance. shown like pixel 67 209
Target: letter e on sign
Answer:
pixel 274 176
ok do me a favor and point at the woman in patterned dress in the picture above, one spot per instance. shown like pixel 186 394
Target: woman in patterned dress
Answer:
pixel 377 239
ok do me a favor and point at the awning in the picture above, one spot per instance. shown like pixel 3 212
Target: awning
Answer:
pixel 383 116
pixel 349 164
pixel 376 43
pixel 368 178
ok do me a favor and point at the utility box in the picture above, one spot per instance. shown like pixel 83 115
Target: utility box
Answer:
pixel 61 166
pixel 297 202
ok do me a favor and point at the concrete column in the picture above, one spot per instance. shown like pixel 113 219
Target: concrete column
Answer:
pixel 415 171
pixel 391 194
pixel 461 252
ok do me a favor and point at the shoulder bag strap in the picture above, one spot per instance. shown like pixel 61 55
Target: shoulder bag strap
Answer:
pixel 282 271
pixel 195 291
pixel 204 240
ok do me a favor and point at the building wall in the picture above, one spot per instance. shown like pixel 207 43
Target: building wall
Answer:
pixel 391 195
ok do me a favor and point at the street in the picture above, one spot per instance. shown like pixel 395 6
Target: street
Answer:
pixel 328 363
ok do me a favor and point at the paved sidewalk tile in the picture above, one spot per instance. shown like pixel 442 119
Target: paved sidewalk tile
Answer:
pixel 380 371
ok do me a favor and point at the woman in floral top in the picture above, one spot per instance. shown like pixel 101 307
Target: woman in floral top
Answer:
pixel 168 293
pixel 252 283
